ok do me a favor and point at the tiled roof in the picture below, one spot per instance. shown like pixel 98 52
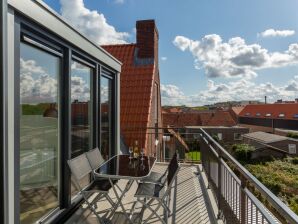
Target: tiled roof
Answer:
pixel 135 91
pixel 265 137
pixel 279 111
pixel 217 118
pixel 237 110
pixel 210 118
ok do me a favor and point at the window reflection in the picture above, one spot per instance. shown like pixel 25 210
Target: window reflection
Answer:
pixel 105 95
pixel 80 108
pixel 39 133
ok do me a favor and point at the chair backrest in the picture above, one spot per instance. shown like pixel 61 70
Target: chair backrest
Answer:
pixel 172 169
pixel 79 167
pixel 95 158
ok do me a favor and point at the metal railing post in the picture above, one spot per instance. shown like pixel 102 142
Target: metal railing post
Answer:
pixel 243 198
pixel 219 183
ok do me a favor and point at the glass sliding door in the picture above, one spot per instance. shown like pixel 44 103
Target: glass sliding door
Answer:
pixel 39 133
pixel 106 119
pixel 81 112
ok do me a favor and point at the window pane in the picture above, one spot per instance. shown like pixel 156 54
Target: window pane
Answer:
pixel 80 114
pixel 105 96
pixel 80 108
pixel 39 133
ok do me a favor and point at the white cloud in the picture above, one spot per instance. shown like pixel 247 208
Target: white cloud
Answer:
pixel 234 58
pixel 36 86
pixel 164 58
pixel 91 23
pixel 80 90
pixel 277 33
pixel 234 90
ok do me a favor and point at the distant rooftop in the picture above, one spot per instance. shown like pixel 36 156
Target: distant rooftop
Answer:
pixel 265 137
pixel 287 111
pixel 222 127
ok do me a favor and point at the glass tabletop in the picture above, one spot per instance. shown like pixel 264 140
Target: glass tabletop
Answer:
pixel 123 167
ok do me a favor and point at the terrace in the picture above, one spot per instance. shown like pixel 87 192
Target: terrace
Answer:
pixel 212 188
pixel 69 103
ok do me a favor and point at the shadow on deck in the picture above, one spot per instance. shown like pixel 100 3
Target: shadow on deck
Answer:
pixel 188 202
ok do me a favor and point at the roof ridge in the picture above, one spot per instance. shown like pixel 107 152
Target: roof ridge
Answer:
pixel 116 45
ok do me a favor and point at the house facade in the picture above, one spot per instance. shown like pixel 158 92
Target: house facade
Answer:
pixel 226 134
pixel 268 144
pixel 268 117
pixel 51 110
pixel 140 101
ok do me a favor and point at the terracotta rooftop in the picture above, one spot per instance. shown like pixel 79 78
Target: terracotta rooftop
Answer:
pixel 207 118
pixel 237 110
pixel 287 111
pixel 135 88
pixel 140 85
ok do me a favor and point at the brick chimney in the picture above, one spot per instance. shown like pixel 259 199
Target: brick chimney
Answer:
pixel 147 39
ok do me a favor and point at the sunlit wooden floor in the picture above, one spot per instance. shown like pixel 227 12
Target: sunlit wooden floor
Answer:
pixel 187 206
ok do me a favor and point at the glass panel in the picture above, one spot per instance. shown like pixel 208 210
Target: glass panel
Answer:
pixel 80 108
pixel 105 96
pixel 80 113
pixel 39 133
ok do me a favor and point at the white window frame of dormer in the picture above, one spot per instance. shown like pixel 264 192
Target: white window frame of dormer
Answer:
pixel 282 115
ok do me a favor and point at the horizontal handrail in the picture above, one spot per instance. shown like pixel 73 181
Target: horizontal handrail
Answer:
pixel 288 214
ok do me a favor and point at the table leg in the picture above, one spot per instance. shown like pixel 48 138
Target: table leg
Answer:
pixel 119 202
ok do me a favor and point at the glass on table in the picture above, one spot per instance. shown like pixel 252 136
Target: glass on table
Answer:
pixel 142 153
pixel 130 152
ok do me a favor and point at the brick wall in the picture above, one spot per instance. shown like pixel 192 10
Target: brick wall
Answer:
pixel 227 133
pixel 147 39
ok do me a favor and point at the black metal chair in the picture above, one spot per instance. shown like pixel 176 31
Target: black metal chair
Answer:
pixel 159 192
pixel 96 160
pixel 80 168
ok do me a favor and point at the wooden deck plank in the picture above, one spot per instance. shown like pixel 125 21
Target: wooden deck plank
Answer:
pixel 187 206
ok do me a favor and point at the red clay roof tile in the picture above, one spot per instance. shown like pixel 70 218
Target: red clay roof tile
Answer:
pixel 136 90
pixel 207 118
pixel 289 110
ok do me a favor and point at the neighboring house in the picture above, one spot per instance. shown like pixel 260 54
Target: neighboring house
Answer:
pixel 235 111
pixel 226 134
pixel 267 117
pixel 287 101
pixel 198 118
pixel 267 144
pixel 140 100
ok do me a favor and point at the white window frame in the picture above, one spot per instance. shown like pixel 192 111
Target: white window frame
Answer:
pixel 292 149
pixel 241 137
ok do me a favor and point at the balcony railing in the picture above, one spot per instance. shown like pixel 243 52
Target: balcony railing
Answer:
pixel 164 142
pixel 240 196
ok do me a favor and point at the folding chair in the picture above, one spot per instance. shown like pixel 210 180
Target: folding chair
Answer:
pixel 159 192
pixel 80 168
pixel 156 177
pixel 96 160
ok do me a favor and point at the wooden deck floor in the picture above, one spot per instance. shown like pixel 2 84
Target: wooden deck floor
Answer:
pixel 187 206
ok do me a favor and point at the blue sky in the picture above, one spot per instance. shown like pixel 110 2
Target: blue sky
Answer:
pixel 273 72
